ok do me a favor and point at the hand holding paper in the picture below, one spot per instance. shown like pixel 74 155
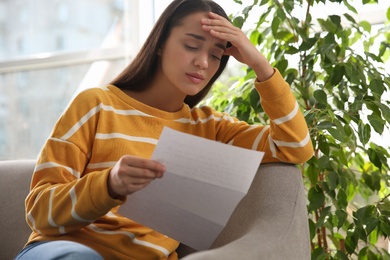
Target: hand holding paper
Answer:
pixel 203 184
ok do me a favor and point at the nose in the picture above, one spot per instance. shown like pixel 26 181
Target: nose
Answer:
pixel 201 61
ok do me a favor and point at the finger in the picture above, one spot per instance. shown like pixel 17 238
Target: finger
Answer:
pixel 131 188
pixel 223 34
pixel 143 163
pixel 216 16
pixel 222 29
pixel 214 22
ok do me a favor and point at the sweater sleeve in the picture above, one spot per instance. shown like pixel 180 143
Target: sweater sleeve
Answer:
pixel 287 137
pixel 62 197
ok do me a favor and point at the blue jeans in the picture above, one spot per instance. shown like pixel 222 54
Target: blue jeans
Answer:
pixel 55 250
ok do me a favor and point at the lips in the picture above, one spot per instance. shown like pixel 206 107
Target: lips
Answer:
pixel 195 78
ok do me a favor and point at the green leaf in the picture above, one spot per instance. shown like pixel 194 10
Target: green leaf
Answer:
pixel 365 217
pixel 337 74
pixel 364 214
pixel 238 21
pixel 332 180
pixel 336 20
pixel 320 96
pixel 281 65
pixel 325 125
pixel 291 50
pixel 377 86
pixel 373 239
pixel 384 205
pixel 323 145
pixel 363 253
pixel 350 191
pixel 342 202
pixel 323 163
pixel 377 123
pixel 324 215
pixel 349 18
pixel 340 255
pixel 275 25
pixel 316 198
pixel 327 25
pixel 364 132
pixel 318 254
pixel 350 7
pixel 388 13
pixel 373 180
pixel 366 26
pixel 342 157
pixel 263 2
pixel 254 99
pixel 281 14
pixel 254 37
pixel 384 228
pixel 264 16
pixel 338 134
pixel 312 229
pixel 351 240
pixel 385 110
pixel 307 44
pixel 246 11
pixel 288 5
pixel 342 217
pixel 312 173
pixel 371 225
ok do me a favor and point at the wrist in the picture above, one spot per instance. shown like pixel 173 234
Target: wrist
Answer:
pixel 110 189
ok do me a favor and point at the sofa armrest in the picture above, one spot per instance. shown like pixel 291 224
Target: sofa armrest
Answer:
pixel 270 222
pixel 15 181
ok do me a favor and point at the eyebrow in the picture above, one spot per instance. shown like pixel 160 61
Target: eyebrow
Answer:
pixel 201 38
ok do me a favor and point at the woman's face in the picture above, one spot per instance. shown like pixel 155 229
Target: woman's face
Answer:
pixel 190 57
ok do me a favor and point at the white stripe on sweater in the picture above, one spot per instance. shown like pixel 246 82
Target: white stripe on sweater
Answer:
pixel 102 165
pixel 272 147
pixel 53 165
pixel 94 111
pixel 131 236
pixel 126 137
pixel 258 138
pixel 293 144
pixel 32 220
pixel 193 122
pixel 273 144
pixel 73 197
pixel 288 117
pixel 61 229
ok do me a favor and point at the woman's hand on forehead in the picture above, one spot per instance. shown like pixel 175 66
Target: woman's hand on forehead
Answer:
pixel 221 28
pixel 242 48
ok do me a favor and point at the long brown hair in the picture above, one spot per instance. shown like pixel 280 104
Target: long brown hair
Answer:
pixel 139 73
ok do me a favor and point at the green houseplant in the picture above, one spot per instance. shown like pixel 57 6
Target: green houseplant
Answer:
pixel 341 92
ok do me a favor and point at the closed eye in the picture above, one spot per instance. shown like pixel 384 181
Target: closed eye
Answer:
pixel 216 57
pixel 190 47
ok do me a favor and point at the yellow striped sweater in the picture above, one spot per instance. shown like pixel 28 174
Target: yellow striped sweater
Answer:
pixel 69 200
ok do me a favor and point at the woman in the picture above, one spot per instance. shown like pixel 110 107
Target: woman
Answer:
pixel 99 151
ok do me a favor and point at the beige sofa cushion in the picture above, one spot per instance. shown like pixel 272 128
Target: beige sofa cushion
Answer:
pixel 15 178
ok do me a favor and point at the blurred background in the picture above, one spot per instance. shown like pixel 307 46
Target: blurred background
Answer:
pixel 52 49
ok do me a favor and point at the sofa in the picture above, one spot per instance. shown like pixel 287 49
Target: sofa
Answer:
pixel 270 222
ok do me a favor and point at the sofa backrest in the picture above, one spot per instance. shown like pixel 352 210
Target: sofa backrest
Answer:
pixel 15 178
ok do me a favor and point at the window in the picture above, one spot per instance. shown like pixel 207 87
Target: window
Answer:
pixel 49 51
